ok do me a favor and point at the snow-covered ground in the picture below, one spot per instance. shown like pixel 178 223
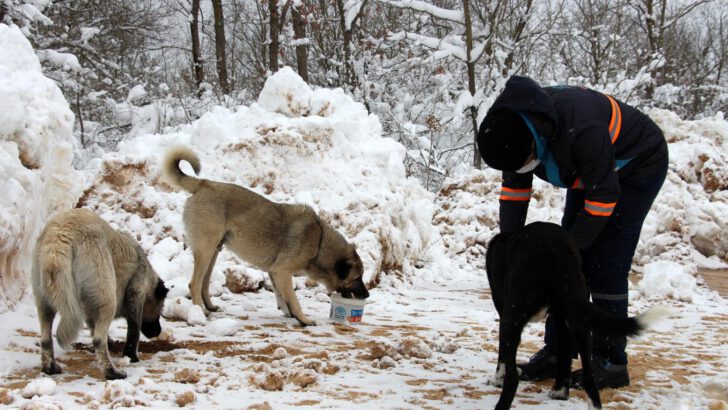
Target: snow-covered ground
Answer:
pixel 428 345
pixel 429 335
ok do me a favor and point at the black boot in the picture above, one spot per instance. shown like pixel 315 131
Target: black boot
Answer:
pixel 541 365
pixel 606 374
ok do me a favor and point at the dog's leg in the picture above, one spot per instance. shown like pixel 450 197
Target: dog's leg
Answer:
pixel 134 301
pixel 204 256
pixel 500 373
pixel 46 314
pixel 560 391
pixel 101 334
pixel 510 338
pixel 284 283
pixel 282 306
pixel 206 282
pixel 90 326
pixel 584 340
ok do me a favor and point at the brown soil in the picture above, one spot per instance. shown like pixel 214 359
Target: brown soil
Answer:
pixel 716 279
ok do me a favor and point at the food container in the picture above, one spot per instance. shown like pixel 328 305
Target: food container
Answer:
pixel 345 310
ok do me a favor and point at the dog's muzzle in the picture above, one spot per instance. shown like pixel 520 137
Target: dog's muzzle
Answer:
pixel 359 292
pixel 151 328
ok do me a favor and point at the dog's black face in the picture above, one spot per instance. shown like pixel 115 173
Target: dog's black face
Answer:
pixel 153 306
pixel 349 273
pixel 151 329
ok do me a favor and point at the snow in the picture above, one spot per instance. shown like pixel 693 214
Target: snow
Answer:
pixel 667 279
pixel 87 33
pixel 429 335
pixel 44 386
pixel 36 151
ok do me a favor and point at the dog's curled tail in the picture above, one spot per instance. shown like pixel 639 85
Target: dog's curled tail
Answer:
pixel 172 173
pixel 56 277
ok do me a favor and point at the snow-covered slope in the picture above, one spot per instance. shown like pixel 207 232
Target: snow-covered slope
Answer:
pixel 295 145
pixel 36 151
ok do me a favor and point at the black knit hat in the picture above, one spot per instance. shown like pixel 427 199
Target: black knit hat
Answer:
pixel 504 140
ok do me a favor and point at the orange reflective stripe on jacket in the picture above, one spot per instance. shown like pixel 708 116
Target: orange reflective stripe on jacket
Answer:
pixel 599 208
pixel 515 194
pixel 615 123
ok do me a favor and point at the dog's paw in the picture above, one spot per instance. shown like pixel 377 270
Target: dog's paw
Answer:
pixel 306 322
pixel 211 307
pixel 494 381
pixel 113 374
pixel 559 394
pixel 500 375
pixel 53 368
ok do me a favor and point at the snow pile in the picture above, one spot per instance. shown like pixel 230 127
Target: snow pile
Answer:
pixel 120 393
pixel 317 147
pixel 687 222
pixel 44 386
pixel 466 213
pixel 36 151
pixel 667 279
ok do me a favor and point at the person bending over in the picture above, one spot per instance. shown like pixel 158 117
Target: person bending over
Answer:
pixel 612 159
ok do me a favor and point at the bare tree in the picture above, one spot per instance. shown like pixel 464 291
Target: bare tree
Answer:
pixel 655 17
pixel 347 27
pixel 220 45
pixel 196 51
pixel 587 41
pixel 299 31
pixel 274 45
pixel 470 68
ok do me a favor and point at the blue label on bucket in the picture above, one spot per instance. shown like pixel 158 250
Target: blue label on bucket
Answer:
pixel 340 313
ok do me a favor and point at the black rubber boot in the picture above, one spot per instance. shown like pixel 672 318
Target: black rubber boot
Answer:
pixel 540 366
pixel 606 374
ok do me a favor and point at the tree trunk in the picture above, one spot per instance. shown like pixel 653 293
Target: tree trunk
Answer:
pixel 471 79
pixel 349 77
pixel 196 54
pixel 274 46
pixel 299 33
pixel 220 44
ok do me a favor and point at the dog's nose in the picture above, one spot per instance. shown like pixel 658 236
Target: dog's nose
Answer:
pixel 151 329
pixel 361 292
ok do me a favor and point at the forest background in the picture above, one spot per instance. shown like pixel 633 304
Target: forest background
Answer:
pixel 428 70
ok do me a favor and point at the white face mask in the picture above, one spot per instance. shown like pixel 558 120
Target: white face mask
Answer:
pixel 529 167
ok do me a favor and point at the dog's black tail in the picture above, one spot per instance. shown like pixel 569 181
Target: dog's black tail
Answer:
pixel 604 322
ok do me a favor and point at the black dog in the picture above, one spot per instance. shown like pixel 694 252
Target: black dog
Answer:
pixel 536 268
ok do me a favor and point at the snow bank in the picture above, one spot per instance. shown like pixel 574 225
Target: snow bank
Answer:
pixel 687 223
pixel 666 279
pixel 36 151
pixel 317 147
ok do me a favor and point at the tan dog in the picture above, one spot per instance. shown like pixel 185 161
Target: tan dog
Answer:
pixel 281 239
pixel 84 269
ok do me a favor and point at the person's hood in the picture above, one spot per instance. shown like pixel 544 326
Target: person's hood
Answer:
pixel 522 94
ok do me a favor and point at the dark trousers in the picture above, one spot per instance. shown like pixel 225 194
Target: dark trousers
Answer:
pixel 607 262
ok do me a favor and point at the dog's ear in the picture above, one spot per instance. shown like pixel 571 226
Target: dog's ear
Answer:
pixel 160 292
pixel 342 268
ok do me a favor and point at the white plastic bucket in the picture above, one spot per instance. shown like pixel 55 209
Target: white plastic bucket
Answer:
pixel 345 310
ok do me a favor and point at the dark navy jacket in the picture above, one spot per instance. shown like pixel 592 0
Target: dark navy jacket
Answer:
pixel 594 143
